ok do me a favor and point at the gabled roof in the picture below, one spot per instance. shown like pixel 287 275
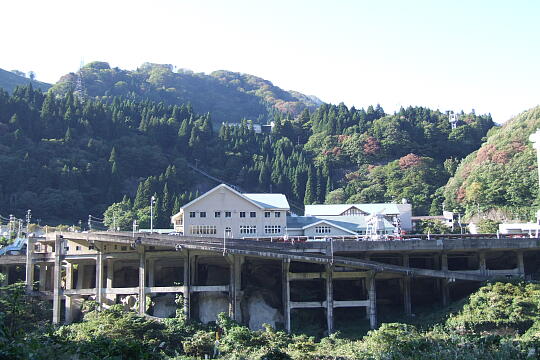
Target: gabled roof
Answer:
pixel 338 209
pixel 351 224
pixel 262 201
pixel 270 201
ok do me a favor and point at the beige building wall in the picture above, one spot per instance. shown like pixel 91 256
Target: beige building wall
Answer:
pixel 223 201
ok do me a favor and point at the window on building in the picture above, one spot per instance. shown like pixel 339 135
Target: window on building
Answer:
pixel 252 214
pixel 248 229
pixel 267 214
pixel 202 214
pixel 192 214
pixel 217 214
pixel 277 214
pixel 242 214
pixel 228 231
pixel 272 229
pixel 202 230
pixel 322 229
pixel 227 214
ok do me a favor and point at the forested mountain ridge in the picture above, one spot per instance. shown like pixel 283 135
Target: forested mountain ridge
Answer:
pixel 9 81
pixel 227 96
pixel 500 179
pixel 65 158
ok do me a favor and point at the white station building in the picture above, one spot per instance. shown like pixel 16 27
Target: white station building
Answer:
pixel 225 212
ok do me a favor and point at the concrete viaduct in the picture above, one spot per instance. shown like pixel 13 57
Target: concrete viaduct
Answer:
pixel 71 266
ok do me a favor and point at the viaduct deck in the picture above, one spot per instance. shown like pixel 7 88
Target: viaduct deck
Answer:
pixel 323 252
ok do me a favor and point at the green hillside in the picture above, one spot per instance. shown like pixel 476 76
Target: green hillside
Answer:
pixel 227 96
pixel 65 158
pixel 9 81
pixel 500 179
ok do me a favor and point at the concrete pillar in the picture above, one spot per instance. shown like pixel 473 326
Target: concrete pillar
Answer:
pixel 30 264
pixel 520 263
pixel 329 299
pixel 42 277
pixel 286 294
pixel 445 292
pixel 187 285
pixel 235 311
pixel 193 267
pixel 99 278
pixel 80 276
pixel 69 299
pixel 57 290
pixel 482 262
pixel 111 298
pixel 372 293
pixel 151 270
pixel 444 262
pixel 110 273
pixel 142 281
pixel 406 285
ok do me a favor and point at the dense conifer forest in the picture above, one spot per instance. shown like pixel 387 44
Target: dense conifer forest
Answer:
pixel 67 156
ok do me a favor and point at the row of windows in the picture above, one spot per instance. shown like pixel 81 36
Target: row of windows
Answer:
pixel 228 214
pixel 202 230
pixel 272 229
pixel 322 229
pixel 244 229
pixel 248 229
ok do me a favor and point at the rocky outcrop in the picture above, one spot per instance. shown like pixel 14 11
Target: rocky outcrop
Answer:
pixel 261 313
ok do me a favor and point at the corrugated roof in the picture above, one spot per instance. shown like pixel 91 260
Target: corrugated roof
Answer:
pixel 338 209
pixel 270 201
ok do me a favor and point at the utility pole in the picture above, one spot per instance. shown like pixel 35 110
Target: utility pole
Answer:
pixel 28 218
pixel 20 228
pixel 11 224
pixel 152 201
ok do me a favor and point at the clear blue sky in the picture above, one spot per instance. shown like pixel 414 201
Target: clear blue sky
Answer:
pixel 442 54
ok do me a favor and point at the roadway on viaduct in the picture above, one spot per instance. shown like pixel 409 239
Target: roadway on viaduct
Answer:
pixel 320 252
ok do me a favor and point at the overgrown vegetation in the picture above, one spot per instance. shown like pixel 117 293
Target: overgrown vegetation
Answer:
pixel 499 321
